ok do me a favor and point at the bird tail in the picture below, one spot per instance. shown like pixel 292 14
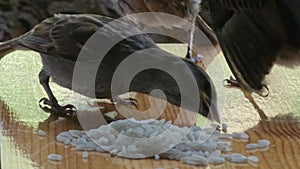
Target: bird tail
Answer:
pixel 8 46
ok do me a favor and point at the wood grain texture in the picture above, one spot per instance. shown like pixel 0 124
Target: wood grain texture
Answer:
pixel 21 145
pixel 144 110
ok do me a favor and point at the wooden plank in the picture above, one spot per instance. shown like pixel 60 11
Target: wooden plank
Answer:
pixel 282 131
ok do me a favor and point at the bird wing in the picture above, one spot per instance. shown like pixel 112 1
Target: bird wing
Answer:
pixel 63 35
pixel 236 5
pixel 250 50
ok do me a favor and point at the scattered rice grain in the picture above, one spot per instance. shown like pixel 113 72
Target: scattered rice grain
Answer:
pixel 253 159
pixel 224 127
pixel 251 146
pixel 263 143
pixel 55 157
pixel 41 133
pixel 156 157
pixel 216 160
pixel 240 135
pixel 195 160
pixel 85 155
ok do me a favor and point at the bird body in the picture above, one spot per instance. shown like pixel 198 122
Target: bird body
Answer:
pixel 19 16
pixel 60 39
pixel 255 35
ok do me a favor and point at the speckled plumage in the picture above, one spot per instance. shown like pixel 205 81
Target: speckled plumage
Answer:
pixel 60 38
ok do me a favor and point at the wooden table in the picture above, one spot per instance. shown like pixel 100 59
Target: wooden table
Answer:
pixel 23 148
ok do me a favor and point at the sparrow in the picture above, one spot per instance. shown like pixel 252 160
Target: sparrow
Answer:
pixel 61 38
pixel 254 35
pixel 20 16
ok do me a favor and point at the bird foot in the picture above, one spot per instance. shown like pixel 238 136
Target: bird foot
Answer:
pixel 197 59
pixel 68 110
pixel 110 106
pixel 231 83
pixel 125 101
pixel 106 108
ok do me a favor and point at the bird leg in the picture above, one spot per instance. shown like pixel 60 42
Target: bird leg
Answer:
pixel 232 83
pixel 51 105
pixel 261 113
pixel 192 12
pixel 107 107
pixel 125 101
pixel 110 106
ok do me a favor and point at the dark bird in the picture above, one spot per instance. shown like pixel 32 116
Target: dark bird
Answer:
pixel 19 16
pixel 60 39
pixel 254 35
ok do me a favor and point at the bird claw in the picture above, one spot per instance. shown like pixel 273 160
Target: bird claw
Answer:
pixel 197 59
pixel 231 83
pixel 69 110
pixel 126 101
pixel 61 111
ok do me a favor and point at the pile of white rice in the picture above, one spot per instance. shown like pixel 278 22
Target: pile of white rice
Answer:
pixel 159 139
